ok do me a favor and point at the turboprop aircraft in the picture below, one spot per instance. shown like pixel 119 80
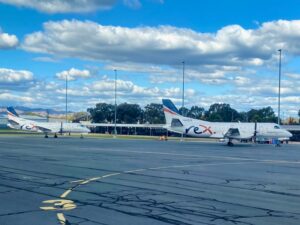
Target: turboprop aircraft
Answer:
pixel 229 131
pixel 16 122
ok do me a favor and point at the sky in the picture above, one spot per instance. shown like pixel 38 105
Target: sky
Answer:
pixel 229 49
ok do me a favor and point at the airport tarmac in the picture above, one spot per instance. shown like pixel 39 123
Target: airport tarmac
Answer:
pixel 137 182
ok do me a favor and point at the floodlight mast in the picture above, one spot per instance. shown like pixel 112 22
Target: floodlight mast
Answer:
pixel 279 84
pixel 182 113
pixel 116 76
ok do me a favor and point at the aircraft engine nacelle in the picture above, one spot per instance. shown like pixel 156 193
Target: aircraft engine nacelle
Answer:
pixel 13 126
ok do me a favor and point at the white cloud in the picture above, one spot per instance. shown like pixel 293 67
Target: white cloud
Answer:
pixel 269 87
pixel 8 76
pixel 63 6
pixel 9 97
pixel 8 41
pixel 134 4
pixel 73 74
pixel 46 59
pixel 165 45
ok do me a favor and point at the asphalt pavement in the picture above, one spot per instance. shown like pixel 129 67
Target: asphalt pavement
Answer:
pixel 135 182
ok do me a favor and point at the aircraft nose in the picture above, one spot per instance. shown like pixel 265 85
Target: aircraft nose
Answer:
pixel 289 134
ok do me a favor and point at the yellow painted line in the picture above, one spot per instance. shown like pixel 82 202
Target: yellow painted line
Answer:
pixel 69 205
pixel 76 181
pixel 48 208
pixel 58 205
pixel 85 182
pixel 90 180
pixel 61 218
pixel 95 178
pixel 110 175
pixel 133 171
pixel 66 193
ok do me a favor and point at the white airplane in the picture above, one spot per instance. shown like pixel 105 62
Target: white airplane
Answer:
pixel 16 122
pixel 229 131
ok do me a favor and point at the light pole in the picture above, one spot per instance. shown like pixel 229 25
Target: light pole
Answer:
pixel 115 131
pixel 279 85
pixel 66 98
pixel 183 67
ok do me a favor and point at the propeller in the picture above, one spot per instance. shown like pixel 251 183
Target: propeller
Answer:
pixel 61 128
pixel 255 132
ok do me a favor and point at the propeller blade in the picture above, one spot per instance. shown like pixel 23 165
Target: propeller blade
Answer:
pixel 255 132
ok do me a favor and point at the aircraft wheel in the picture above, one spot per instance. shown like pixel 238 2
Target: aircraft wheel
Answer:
pixel 55 135
pixel 230 143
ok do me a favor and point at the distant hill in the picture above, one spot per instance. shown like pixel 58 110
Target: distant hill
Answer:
pixel 35 111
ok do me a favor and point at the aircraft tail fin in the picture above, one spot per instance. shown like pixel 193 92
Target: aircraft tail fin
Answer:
pixel 170 111
pixel 11 111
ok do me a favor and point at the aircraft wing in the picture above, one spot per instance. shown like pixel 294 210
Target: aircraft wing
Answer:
pixel 236 133
pixel 43 129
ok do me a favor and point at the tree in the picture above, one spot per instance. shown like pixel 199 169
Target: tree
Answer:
pixel 103 113
pixel 196 112
pixel 79 116
pixel 222 112
pixel 291 121
pixel 154 114
pixel 262 115
pixel 129 113
pixel 299 115
pixel 184 111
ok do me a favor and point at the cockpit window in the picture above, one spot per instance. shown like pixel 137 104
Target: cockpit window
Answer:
pixel 276 127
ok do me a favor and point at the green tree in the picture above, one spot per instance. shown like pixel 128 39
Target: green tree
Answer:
pixel 262 115
pixel 129 113
pixel 103 113
pixel 222 112
pixel 196 112
pixel 153 114
pixel 79 116
pixel 299 115
pixel 184 111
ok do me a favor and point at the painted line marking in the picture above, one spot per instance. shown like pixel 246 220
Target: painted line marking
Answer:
pixel 58 204
pixel 65 194
pixel 69 205
pixel 61 218
pixel 110 175
pixel 133 171
pixel 76 181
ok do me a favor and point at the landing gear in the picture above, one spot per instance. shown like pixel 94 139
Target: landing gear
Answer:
pixel 81 136
pixel 46 135
pixel 229 143
pixel 55 135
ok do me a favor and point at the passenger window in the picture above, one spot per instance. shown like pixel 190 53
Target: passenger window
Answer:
pixel 276 127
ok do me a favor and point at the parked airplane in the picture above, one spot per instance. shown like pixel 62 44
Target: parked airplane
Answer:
pixel 229 131
pixel 16 122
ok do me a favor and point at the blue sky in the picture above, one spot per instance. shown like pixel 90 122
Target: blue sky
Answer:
pixel 229 48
